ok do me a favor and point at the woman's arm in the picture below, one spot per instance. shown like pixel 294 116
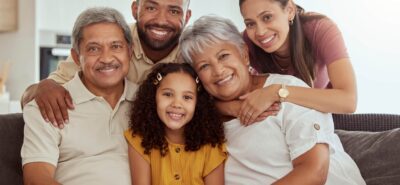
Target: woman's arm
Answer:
pixel 37 173
pixel 342 98
pixel 140 168
pixel 310 168
pixel 216 177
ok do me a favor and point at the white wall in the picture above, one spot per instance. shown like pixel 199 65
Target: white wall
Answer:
pixel 20 49
pixel 60 15
pixel 371 32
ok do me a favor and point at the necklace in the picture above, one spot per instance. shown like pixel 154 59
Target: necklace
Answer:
pixel 281 68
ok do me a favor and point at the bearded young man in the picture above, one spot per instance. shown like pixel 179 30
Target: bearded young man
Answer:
pixel 159 24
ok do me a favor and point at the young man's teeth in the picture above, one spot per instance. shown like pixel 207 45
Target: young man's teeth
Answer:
pixel 160 33
pixel 267 39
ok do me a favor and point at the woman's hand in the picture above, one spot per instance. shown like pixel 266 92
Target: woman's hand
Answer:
pixel 232 108
pixel 258 105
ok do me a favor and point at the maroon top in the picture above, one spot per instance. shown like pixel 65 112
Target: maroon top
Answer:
pixel 327 45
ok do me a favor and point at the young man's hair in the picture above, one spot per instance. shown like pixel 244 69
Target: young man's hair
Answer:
pixel 206 126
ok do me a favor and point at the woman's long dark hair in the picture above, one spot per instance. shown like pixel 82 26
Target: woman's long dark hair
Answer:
pixel 301 54
pixel 206 126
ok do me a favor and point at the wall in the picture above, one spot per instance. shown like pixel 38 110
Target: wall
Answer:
pixel 371 32
pixel 20 49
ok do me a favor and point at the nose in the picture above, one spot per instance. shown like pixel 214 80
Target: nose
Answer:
pixel 176 103
pixel 106 55
pixel 161 17
pixel 217 69
pixel 260 30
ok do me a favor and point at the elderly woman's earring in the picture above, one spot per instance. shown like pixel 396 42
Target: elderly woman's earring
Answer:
pixel 252 71
pixel 291 22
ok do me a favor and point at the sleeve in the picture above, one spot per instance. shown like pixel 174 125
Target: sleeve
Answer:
pixel 41 139
pixel 328 41
pixel 304 128
pixel 66 70
pixel 135 142
pixel 215 156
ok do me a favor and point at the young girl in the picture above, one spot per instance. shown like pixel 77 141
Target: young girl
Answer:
pixel 175 135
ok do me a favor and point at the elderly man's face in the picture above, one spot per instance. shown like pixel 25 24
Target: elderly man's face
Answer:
pixel 103 56
pixel 160 22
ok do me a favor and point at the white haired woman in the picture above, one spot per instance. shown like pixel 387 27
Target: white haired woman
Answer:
pixel 297 146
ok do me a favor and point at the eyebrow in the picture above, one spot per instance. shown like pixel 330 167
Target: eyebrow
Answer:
pixel 259 15
pixel 169 89
pixel 222 50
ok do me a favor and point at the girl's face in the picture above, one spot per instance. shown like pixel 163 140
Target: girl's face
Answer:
pixel 222 70
pixel 267 24
pixel 176 101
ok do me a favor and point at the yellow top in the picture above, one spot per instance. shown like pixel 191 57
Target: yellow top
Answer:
pixel 180 167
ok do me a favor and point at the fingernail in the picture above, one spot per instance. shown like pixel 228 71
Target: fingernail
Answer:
pixel 66 121
pixel 47 120
pixel 61 126
pixel 55 124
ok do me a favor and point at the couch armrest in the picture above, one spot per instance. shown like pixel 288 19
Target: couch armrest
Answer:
pixel 366 122
pixel 11 138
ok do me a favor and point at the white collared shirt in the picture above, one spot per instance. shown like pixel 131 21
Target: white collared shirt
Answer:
pixel 91 149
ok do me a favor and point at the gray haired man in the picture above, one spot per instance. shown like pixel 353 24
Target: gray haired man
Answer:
pixel 159 24
pixel 91 149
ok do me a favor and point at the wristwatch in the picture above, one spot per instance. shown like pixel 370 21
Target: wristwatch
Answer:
pixel 283 93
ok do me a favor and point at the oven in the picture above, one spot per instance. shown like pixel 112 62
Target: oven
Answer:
pixel 54 47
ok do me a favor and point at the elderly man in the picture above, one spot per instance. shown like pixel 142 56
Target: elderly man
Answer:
pixel 155 36
pixel 91 149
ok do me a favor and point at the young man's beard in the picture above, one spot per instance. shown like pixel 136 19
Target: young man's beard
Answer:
pixel 155 44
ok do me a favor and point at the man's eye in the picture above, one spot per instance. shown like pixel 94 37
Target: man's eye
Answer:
pixel 150 8
pixel 93 49
pixel 175 12
pixel 116 46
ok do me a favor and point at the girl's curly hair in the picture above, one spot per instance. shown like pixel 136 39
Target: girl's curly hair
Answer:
pixel 206 126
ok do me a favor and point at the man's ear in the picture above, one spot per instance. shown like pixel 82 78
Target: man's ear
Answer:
pixel 75 57
pixel 135 9
pixel 188 15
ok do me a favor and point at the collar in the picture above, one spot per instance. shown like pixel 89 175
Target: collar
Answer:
pixel 139 53
pixel 80 94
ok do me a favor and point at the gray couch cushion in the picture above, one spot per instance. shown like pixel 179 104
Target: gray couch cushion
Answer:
pixel 11 137
pixel 376 154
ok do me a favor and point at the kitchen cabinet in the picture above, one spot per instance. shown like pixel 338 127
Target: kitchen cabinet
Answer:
pixel 8 15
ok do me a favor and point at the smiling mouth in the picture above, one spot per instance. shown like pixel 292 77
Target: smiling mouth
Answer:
pixel 224 80
pixel 109 68
pixel 268 39
pixel 175 116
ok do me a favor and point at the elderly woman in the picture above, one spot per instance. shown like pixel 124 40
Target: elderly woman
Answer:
pixel 297 146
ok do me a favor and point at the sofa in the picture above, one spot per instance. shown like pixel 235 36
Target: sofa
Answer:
pixel 372 140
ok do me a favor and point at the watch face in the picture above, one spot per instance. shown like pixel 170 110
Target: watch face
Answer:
pixel 283 93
